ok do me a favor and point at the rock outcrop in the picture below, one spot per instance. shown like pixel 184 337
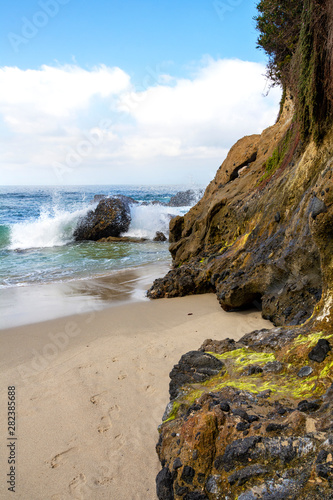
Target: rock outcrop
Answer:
pixel 259 425
pixel 262 427
pixel 252 237
pixel 111 217
pixel 256 423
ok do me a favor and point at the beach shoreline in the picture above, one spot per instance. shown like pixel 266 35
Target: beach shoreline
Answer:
pixel 91 390
pixel 69 297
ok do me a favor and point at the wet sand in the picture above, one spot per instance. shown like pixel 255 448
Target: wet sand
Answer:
pixel 91 390
pixel 22 305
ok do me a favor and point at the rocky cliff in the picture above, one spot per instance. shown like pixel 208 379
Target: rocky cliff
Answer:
pixel 254 419
pixel 252 237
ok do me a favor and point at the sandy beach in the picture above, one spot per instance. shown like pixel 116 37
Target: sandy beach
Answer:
pixel 91 390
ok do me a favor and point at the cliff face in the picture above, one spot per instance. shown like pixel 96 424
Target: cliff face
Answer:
pixel 254 419
pixel 252 237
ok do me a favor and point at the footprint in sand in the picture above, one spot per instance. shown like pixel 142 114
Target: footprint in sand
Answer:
pixel 105 424
pixel 114 408
pixel 97 398
pixel 103 481
pixel 117 443
pixel 58 459
pixel 76 486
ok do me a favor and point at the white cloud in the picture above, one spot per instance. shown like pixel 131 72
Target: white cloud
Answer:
pixel 33 101
pixel 97 126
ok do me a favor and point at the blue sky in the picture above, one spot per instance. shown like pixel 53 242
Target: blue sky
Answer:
pixel 127 92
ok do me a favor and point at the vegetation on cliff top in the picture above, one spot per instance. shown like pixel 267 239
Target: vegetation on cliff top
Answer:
pixel 297 35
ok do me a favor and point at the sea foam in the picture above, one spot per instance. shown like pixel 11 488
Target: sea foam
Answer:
pixel 49 230
pixel 55 228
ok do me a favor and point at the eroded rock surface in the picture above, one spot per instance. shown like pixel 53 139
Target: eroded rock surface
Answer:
pixel 253 237
pixel 245 433
pixel 111 217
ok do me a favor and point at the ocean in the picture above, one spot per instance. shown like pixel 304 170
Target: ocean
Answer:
pixel 44 273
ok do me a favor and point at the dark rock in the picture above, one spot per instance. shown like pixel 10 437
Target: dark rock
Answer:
pixel 196 495
pixel 111 217
pixel 201 478
pixel 317 207
pixel 195 366
pixel 237 452
pixel 225 406
pixel 252 370
pixel 185 198
pixel 243 475
pixel 325 470
pixel 277 217
pixel 160 236
pixel 241 413
pixel 320 351
pixel 275 427
pixel 322 455
pixel 252 418
pixel 242 426
pixel 244 415
pixel 305 371
pixel 181 490
pixel 164 485
pixel 308 406
pixel 177 463
pixel 188 474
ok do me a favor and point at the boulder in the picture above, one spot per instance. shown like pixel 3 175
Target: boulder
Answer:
pixel 185 198
pixel 159 236
pixel 111 217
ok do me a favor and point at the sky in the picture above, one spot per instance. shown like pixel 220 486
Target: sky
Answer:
pixel 127 92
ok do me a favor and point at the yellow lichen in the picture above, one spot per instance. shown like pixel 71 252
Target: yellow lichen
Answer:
pixel 244 357
pixel 173 412
pixel 327 371
pixel 311 339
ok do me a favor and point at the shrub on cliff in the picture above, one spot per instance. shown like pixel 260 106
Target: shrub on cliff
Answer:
pixel 298 38
pixel 279 24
